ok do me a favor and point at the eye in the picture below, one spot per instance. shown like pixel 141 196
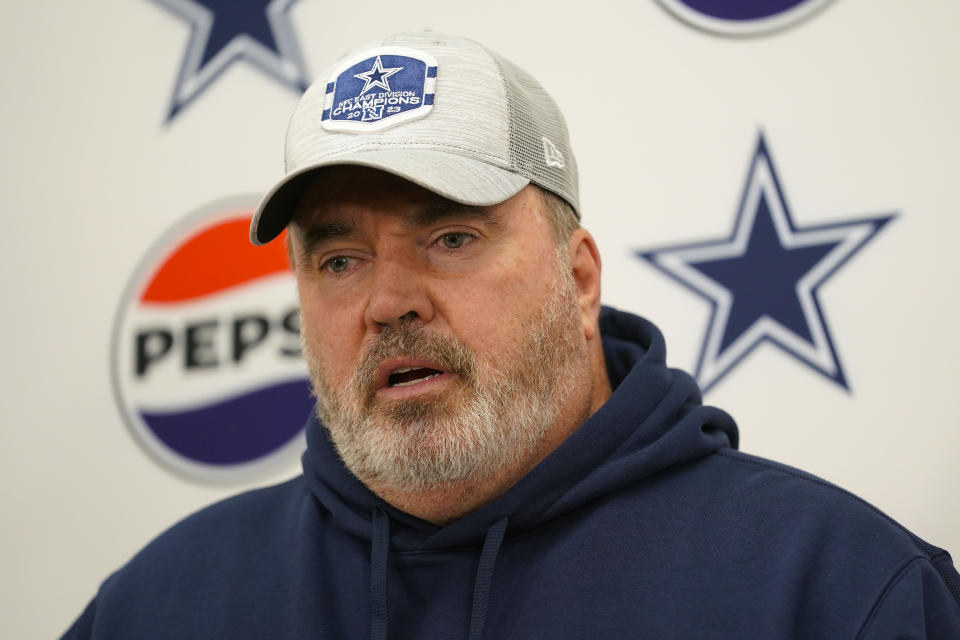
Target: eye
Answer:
pixel 337 264
pixel 455 239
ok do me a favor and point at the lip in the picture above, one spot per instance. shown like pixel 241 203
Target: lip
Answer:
pixel 390 365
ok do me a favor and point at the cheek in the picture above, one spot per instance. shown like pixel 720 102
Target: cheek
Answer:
pixel 495 308
pixel 329 331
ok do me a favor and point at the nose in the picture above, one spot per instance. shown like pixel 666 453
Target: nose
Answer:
pixel 398 294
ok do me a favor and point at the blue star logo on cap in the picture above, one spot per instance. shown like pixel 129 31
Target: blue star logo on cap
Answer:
pixel 380 88
pixel 377 76
pixel 762 282
pixel 224 31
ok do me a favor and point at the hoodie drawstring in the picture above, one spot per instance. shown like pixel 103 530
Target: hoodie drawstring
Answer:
pixel 379 547
pixel 481 587
pixel 379 550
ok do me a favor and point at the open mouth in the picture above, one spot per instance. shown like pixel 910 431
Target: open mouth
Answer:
pixel 406 376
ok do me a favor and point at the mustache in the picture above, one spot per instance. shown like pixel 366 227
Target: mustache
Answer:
pixel 405 340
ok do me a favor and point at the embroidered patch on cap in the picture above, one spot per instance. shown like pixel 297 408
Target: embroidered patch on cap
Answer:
pixel 380 88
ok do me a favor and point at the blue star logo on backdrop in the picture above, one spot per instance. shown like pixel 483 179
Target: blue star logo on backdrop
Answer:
pixel 744 17
pixel 762 282
pixel 223 31
pixel 377 76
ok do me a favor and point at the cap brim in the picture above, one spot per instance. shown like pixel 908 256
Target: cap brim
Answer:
pixel 464 180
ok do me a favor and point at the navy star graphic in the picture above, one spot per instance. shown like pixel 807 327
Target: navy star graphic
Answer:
pixel 762 282
pixel 377 76
pixel 223 31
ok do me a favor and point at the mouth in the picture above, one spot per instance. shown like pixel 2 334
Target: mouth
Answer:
pixel 404 377
pixel 407 376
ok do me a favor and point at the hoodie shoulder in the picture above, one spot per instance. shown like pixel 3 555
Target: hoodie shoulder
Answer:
pixel 913 584
pixel 802 494
pixel 240 549
pixel 231 523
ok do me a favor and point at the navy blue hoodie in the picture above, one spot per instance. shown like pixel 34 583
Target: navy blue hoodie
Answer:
pixel 646 522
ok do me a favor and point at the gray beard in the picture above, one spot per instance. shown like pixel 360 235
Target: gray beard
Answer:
pixel 495 417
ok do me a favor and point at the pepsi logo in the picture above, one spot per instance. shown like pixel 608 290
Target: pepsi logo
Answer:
pixel 744 18
pixel 206 358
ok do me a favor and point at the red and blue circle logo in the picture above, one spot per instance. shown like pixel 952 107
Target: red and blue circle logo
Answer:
pixel 742 17
pixel 207 366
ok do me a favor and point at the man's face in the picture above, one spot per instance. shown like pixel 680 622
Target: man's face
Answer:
pixel 444 342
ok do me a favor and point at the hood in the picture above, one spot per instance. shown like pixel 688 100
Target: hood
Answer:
pixel 653 420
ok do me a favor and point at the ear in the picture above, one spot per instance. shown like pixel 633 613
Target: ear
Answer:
pixel 586 267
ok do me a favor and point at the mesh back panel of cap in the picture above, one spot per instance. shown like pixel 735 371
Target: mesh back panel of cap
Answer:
pixel 534 115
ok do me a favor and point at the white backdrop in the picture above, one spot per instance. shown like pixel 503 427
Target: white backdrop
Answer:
pixel 858 105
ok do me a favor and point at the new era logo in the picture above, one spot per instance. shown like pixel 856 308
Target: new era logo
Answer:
pixel 552 155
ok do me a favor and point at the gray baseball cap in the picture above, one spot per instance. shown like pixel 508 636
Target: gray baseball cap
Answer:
pixel 441 111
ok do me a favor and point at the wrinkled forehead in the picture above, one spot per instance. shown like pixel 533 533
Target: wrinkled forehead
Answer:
pixel 342 190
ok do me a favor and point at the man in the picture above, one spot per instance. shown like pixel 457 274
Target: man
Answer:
pixel 495 455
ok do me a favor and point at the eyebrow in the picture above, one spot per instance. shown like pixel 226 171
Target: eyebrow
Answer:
pixel 432 214
pixel 315 235
pixel 442 209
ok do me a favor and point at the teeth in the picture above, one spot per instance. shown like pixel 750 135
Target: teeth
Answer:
pixel 403 369
pixel 418 381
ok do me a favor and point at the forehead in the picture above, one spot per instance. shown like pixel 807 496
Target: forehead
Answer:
pixel 344 191
pixel 347 193
pixel 334 188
